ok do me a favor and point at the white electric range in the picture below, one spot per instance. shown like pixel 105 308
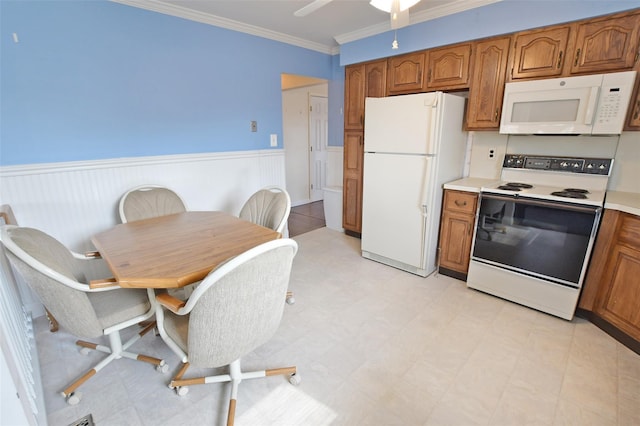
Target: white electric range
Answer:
pixel 536 228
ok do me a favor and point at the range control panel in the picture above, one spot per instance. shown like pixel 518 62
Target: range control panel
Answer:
pixel 593 166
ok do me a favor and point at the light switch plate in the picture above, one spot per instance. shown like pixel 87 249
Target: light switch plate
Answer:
pixel 274 139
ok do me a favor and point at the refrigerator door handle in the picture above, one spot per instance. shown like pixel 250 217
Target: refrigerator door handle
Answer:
pixel 423 253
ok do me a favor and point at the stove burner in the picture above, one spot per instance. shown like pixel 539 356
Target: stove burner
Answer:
pixel 514 186
pixel 569 194
pixel 519 185
pixel 579 191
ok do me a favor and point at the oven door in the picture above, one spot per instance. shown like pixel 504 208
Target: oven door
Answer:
pixel 545 239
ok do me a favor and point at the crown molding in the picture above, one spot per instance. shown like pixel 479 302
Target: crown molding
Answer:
pixel 415 18
pixel 206 18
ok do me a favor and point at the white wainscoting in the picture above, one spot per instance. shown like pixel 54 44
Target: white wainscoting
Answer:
pixel 73 201
pixel 334 165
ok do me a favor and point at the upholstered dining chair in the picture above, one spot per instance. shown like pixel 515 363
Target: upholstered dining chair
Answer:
pixel 85 307
pixel 269 207
pixel 147 201
pixel 235 309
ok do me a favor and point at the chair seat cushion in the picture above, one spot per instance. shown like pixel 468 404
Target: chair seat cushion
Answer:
pixel 116 306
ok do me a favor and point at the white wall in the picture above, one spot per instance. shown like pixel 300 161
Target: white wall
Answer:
pixel 295 129
pixel 626 168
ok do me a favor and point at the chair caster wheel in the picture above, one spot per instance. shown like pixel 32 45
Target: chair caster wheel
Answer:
pixel 163 367
pixel 291 300
pixel 182 390
pixel 73 398
pixel 85 351
pixel 295 379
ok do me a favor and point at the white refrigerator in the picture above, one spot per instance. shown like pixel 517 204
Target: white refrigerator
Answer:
pixel 413 144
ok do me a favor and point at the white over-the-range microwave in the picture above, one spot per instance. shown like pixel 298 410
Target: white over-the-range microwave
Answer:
pixel 591 104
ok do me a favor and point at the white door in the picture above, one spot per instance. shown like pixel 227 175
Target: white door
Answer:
pixel 394 219
pixel 318 139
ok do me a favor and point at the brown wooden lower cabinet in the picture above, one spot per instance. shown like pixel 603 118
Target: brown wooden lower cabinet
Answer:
pixel 611 293
pixel 456 233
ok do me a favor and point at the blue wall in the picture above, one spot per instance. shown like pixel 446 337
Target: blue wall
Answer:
pixel 96 80
pixel 504 17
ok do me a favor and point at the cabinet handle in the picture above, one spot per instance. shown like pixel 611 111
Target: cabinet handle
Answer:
pixel 559 59
pixel 575 63
pixel 636 114
pixel 460 203
pixel 495 118
pixel 420 76
pixel 469 230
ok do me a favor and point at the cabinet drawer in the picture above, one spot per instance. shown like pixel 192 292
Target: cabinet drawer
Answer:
pixel 457 201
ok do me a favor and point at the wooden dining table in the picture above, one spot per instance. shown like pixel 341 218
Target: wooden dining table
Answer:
pixel 176 250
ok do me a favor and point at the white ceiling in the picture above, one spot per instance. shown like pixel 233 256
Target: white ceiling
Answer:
pixel 338 22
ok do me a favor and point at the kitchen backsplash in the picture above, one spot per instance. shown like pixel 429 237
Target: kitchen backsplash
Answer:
pixel 488 150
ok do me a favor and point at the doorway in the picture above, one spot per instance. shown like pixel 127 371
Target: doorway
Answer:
pixel 305 136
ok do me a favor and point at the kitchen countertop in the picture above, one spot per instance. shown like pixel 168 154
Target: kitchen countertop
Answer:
pixel 628 202
pixel 469 184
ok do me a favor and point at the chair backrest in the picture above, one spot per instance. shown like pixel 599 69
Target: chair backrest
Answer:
pixel 147 201
pixel 269 207
pixel 49 268
pixel 239 305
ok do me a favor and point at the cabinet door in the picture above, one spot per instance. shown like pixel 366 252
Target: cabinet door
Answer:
pixel 607 44
pixel 354 86
pixel 449 67
pixel 456 230
pixel 487 84
pixel 540 53
pixel 455 246
pixel 621 299
pixel 376 79
pixel 352 178
pixel 406 73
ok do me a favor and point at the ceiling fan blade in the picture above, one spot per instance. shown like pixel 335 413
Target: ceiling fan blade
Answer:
pixel 311 7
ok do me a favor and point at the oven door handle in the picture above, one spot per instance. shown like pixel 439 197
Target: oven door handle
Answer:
pixel 534 202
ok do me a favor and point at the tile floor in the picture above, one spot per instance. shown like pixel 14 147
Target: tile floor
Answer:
pixel 376 346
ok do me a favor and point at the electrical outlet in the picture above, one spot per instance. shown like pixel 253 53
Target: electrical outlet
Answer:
pixel 254 126
pixel 274 139
pixel 492 154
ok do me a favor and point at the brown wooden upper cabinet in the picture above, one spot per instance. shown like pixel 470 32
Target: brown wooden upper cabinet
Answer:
pixel 449 68
pixel 484 106
pixel 354 85
pixel 362 80
pixel 607 44
pixel 405 73
pixel 540 53
pixel 376 79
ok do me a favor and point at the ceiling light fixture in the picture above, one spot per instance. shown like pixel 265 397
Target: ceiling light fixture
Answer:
pixel 393 5
pixel 399 14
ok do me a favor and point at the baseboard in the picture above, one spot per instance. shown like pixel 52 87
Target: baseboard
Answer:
pixel 610 329
pixel 453 274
